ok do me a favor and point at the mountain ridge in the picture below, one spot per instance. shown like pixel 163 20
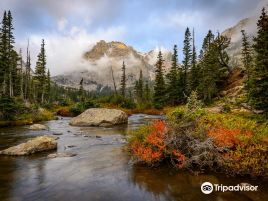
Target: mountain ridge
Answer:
pixel 105 57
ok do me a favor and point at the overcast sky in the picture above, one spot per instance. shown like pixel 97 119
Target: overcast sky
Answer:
pixel 70 27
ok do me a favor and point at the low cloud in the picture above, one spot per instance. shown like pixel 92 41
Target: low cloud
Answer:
pixel 65 51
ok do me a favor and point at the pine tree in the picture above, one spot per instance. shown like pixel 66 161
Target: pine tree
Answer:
pixel 208 63
pixel 3 55
pixel 147 92
pixel 258 91
pixel 159 86
pixel 246 53
pixel 214 65
pixel 194 74
pixel 136 90
pixel 172 79
pixel 140 86
pixel 40 73
pixel 187 59
pixel 81 90
pixel 8 56
pixel 123 80
pixel 12 55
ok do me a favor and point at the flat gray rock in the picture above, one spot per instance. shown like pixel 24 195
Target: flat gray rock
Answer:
pixel 38 127
pixel 100 117
pixel 38 144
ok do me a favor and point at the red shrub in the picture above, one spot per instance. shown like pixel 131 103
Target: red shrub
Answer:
pixel 228 137
pixel 152 148
pixel 64 112
pixel 145 154
pixel 157 136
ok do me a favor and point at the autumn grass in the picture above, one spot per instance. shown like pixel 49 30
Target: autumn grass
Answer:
pixel 29 118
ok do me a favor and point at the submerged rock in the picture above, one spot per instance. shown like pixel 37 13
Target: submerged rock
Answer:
pixel 100 117
pixel 38 144
pixel 61 155
pixel 38 127
pixel 57 133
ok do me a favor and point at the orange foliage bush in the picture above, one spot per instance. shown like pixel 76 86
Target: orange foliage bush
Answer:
pixel 64 112
pixel 157 135
pixel 153 146
pixel 228 137
pixel 145 154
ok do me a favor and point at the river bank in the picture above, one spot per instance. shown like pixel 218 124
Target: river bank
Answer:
pixel 31 117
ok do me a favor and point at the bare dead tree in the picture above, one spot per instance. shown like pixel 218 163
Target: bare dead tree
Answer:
pixel 112 72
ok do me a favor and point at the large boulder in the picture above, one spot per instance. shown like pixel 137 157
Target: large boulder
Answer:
pixel 38 127
pixel 100 117
pixel 41 143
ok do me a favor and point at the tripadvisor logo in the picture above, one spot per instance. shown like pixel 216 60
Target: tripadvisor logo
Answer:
pixel 208 187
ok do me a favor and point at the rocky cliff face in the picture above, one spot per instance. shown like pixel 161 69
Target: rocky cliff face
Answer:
pixel 106 57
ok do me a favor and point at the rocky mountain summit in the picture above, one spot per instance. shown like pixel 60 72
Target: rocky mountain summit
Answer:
pixel 106 58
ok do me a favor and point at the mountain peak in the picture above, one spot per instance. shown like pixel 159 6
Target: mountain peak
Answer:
pixel 111 49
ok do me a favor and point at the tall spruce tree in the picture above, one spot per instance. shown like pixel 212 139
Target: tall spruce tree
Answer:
pixel 3 55
pixel 12 56
pixel 8 56
pixel 40 74
pixel 187 52
pixel 172 79
pixel 147 92
pixel 140 86
pixel 194 74
pixel 208 63
pixel 123 80
pixel 246 54
pixel 159 85
pixel 258 91
pixel 214 65
pixel 81 90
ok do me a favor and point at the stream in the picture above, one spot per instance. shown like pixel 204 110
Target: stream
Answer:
pixel 100 170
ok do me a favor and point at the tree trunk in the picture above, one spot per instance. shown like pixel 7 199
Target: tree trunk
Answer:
pixel 113 80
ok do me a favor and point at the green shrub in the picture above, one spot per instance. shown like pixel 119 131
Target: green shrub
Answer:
pixel 77 109
pixel 192 102
pixel 181 115
pixel 80 107
pixel 10 107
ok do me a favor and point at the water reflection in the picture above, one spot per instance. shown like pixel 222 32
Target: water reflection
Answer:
pixel 169 184
pixel 100 171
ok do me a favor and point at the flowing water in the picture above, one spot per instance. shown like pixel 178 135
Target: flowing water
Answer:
pixel 101 170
